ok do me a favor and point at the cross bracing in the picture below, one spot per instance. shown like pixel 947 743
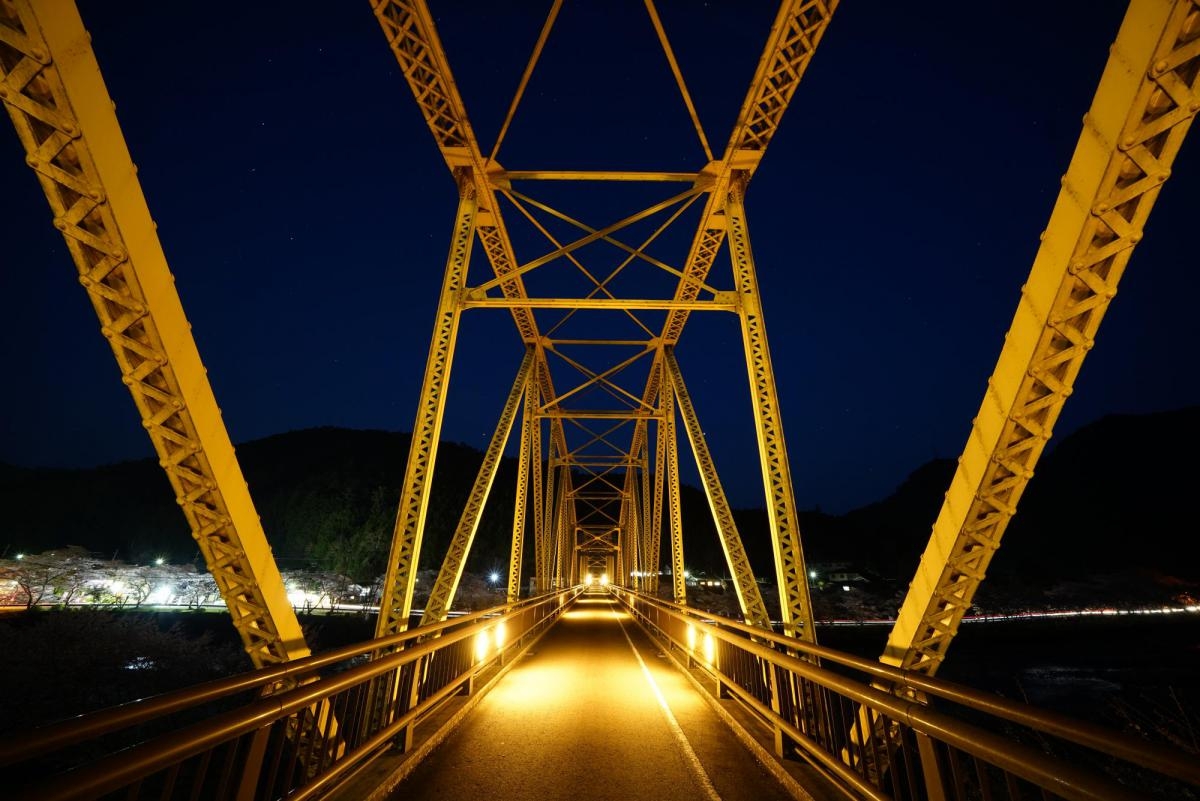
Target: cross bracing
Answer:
pixel 599 303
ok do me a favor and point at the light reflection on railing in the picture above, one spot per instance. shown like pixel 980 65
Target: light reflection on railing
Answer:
pixel 289 731
pixel 883 733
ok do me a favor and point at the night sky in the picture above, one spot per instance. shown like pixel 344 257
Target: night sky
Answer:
pixel 306 211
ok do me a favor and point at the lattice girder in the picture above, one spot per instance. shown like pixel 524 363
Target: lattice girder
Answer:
pixel 395 604
pixel 1145 103
pixel 446 584
pixel 754 610
pixel 52 88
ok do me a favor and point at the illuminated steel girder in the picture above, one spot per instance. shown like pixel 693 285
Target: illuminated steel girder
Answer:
pixel 51 86
pixel 790 573
pixel 749 596
pixel 654 542
pixel 647 501
pixel 798 29
pixel 411 33
pixel 675 509
pixel 1146 100
pixel 395 603
pixel 541 535
pixel 446 584
pixel 516 552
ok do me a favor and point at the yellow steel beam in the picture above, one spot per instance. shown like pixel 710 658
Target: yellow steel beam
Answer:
pixel 790 573
pixel 721 303
pixel 516 552
pixel 500 179
pixel 520 201
pixel 675 509
pixel 753 608
pixel 597 414
pixel 52 88
pixel 412 36
pixel 587 239
pixel 551 16
pixel 687 97
pixel 541 534
pixel 396 602
pixel 1143 107
pixel 446 584
pixel 654 542
pixel 798 29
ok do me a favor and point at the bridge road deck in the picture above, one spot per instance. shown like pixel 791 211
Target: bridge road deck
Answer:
pixel 595 711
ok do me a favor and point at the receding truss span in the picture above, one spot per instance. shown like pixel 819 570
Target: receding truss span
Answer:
pixel 598 460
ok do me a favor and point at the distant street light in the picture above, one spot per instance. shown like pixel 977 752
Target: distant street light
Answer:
pixel 159 561
pixel 20 556
pixel 493 577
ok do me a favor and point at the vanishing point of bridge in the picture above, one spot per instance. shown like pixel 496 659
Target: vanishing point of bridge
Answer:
pixel 592 685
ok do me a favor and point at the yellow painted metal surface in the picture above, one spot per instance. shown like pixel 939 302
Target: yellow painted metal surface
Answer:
pixel 446 584
pixel 749 597
pixel 411 33
pixel 790 573
pixel 1147 98
pixel 52 88
pixel 396 602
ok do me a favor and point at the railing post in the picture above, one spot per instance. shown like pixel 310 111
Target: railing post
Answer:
pixel 931 769
pixel 252 767
pixel 783 743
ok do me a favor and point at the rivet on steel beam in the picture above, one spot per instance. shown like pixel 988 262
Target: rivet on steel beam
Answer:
pixel 127 380
pixel 1159 68
pixel 85 281
pixel 39 55
pixel 107 332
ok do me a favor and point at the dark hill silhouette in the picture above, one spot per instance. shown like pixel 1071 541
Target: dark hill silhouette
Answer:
pixel 1110 497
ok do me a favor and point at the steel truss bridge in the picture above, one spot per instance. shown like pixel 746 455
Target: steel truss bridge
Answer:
pixel 600 396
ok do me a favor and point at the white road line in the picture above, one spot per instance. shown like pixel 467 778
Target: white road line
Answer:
pixel 689 755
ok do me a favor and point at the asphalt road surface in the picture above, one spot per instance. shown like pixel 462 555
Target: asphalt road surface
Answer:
pixel 594 712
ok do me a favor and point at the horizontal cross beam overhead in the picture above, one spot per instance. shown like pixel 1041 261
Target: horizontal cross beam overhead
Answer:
pixel 51 86
pixel 597 414
pixel 602 304
pixel 501 179
pixel 595 236
pixel 1145 103
pixel 521 201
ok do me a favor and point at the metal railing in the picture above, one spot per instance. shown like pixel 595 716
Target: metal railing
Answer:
pixel 878 732
pixel 294 731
